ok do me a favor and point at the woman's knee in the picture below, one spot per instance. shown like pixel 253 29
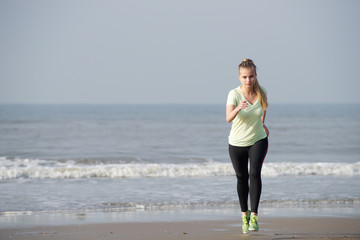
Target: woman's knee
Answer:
pixel 255 174
pixel 242 178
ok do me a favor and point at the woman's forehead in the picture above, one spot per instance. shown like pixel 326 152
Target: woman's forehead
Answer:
pixel 246 71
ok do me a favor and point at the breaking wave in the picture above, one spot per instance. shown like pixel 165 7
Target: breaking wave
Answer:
pixel 48 169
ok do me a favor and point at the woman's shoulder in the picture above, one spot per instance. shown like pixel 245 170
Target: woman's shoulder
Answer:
pixel 235 91
pixel 234 97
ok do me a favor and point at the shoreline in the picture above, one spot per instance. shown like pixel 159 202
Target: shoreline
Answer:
pixel 142 215
pixel 270 228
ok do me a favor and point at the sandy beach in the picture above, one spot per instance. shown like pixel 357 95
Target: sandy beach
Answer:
pixel 270 228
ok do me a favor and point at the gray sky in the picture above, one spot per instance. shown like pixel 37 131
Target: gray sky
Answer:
pixel 164 51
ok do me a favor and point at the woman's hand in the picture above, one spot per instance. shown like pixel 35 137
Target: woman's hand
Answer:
pixel 232 111
pixel 266 130
pixel 242 105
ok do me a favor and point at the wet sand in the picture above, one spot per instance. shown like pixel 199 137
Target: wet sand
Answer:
pixel 270 228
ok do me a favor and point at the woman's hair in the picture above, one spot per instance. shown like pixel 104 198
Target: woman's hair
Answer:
pixel 248 63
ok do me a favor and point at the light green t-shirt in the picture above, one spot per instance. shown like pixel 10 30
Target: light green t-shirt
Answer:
pixel 247 127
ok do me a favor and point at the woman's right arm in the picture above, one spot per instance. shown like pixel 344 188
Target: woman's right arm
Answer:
pixel 232 111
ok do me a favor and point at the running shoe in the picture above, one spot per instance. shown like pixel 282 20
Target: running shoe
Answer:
pixel 245 220
pixel 254 223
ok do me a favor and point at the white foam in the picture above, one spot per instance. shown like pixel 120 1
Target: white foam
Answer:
pixel 35 169
pixel 41 169
pixel 306 169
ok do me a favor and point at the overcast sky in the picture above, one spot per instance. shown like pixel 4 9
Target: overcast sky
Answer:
pixel 164 51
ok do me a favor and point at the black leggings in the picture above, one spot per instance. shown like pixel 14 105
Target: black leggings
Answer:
pixel 239 158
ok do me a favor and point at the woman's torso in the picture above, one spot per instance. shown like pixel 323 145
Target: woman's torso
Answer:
pixel 247 127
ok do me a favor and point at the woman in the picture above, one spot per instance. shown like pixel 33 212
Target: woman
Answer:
pixel 246 109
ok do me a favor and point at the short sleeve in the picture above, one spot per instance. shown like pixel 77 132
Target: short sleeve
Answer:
pixel 232 99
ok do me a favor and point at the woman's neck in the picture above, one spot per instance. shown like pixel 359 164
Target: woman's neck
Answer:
pixel 249 91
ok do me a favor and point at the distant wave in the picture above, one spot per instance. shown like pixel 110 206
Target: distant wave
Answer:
pixel 44 169
pixel 341 202
pixel 143 206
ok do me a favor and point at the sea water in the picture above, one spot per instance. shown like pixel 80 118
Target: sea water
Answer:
pixel 84 158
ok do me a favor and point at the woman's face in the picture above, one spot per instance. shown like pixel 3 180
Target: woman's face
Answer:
pixel 247 77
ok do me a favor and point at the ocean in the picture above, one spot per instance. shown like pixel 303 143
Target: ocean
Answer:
pixel 124 158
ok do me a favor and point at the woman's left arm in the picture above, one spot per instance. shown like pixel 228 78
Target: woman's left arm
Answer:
pixel 263 121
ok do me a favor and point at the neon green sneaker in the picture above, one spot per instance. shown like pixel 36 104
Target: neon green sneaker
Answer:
pixel 254 223
pixel 245 220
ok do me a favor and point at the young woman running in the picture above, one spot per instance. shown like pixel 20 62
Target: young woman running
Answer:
pixel 246 109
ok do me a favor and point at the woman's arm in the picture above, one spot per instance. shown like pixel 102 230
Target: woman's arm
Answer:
pixel 232 111
pixel 263 121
